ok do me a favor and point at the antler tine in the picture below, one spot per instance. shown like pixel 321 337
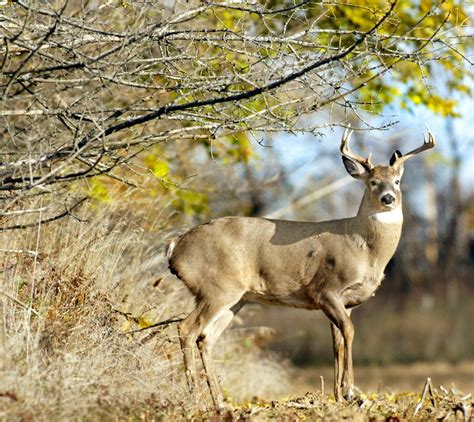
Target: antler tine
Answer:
pixel 345 150
pixel 428 143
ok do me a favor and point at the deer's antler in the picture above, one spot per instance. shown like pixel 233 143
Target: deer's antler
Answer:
pixel 428 143
pixel 345 150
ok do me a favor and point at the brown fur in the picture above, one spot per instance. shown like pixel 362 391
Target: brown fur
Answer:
pixel 331 265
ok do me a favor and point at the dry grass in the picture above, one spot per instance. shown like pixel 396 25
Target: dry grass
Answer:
pixel 65 352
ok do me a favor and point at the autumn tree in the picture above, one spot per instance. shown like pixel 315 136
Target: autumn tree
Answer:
pixel 104 89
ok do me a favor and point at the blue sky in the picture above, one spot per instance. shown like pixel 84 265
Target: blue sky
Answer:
pixel 300 153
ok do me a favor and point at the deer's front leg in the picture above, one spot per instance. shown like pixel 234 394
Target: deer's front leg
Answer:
pixel 338 349
pixel 343 334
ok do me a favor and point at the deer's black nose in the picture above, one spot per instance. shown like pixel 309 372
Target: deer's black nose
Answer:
pixel 387 199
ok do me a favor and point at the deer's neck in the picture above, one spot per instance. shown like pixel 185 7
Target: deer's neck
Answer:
pixel 381 229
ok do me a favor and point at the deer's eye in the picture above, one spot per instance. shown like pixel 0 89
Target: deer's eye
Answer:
pixel 373 183
pixel 397 182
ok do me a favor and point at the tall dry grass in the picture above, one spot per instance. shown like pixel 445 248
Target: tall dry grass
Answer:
pixel 70 292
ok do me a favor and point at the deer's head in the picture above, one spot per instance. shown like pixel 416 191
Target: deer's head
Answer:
pixel 382 182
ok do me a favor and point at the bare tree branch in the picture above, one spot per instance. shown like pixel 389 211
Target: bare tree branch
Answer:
pixel 86 91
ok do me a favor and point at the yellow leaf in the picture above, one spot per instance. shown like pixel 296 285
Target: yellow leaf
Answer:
pixel 144 323
pixel 160 169
pixel 98 190
pixel 127 324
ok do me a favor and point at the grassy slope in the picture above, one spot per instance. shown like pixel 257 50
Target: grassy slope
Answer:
pixel 65 313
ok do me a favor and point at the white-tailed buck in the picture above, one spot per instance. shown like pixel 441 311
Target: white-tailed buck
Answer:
pixel 330 265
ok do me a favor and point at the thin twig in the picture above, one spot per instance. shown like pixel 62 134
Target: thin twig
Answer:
pixel 48 220
pixel 21 212
pixel 426 388
pixel 158 324
pixel 19 251
pixel 20 303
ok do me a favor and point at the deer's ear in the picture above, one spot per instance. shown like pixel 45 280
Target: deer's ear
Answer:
pixel 397 154
pixel 354 168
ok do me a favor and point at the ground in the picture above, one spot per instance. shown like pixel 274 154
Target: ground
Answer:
pixel 394 378
pixel 390 399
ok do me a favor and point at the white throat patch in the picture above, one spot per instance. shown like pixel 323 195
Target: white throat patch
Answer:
pixel 388 217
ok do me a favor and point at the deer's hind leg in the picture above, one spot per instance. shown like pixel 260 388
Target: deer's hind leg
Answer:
pixel 212 331
pixel 203 326
pixel 188 331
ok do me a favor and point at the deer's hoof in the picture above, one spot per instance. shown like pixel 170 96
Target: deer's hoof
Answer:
pixel 349 394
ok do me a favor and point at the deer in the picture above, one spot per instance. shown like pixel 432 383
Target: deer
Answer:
pixel 331 266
